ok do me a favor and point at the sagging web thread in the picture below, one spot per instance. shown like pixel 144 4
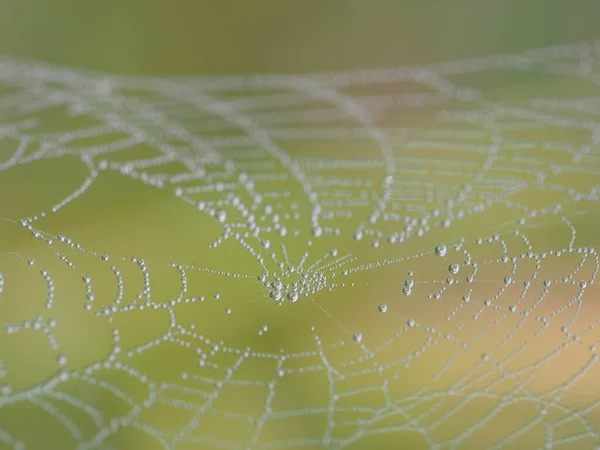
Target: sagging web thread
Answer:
pixel 324 163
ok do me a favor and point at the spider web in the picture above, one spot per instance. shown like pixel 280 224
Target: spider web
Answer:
pixel 372 258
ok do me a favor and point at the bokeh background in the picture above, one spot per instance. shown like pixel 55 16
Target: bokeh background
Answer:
pixel 122 218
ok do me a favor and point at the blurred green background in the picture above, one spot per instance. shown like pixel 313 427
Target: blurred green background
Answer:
pixel 215 37
pixel 123 219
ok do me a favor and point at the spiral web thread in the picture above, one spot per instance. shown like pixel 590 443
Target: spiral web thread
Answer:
pixel 323 181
